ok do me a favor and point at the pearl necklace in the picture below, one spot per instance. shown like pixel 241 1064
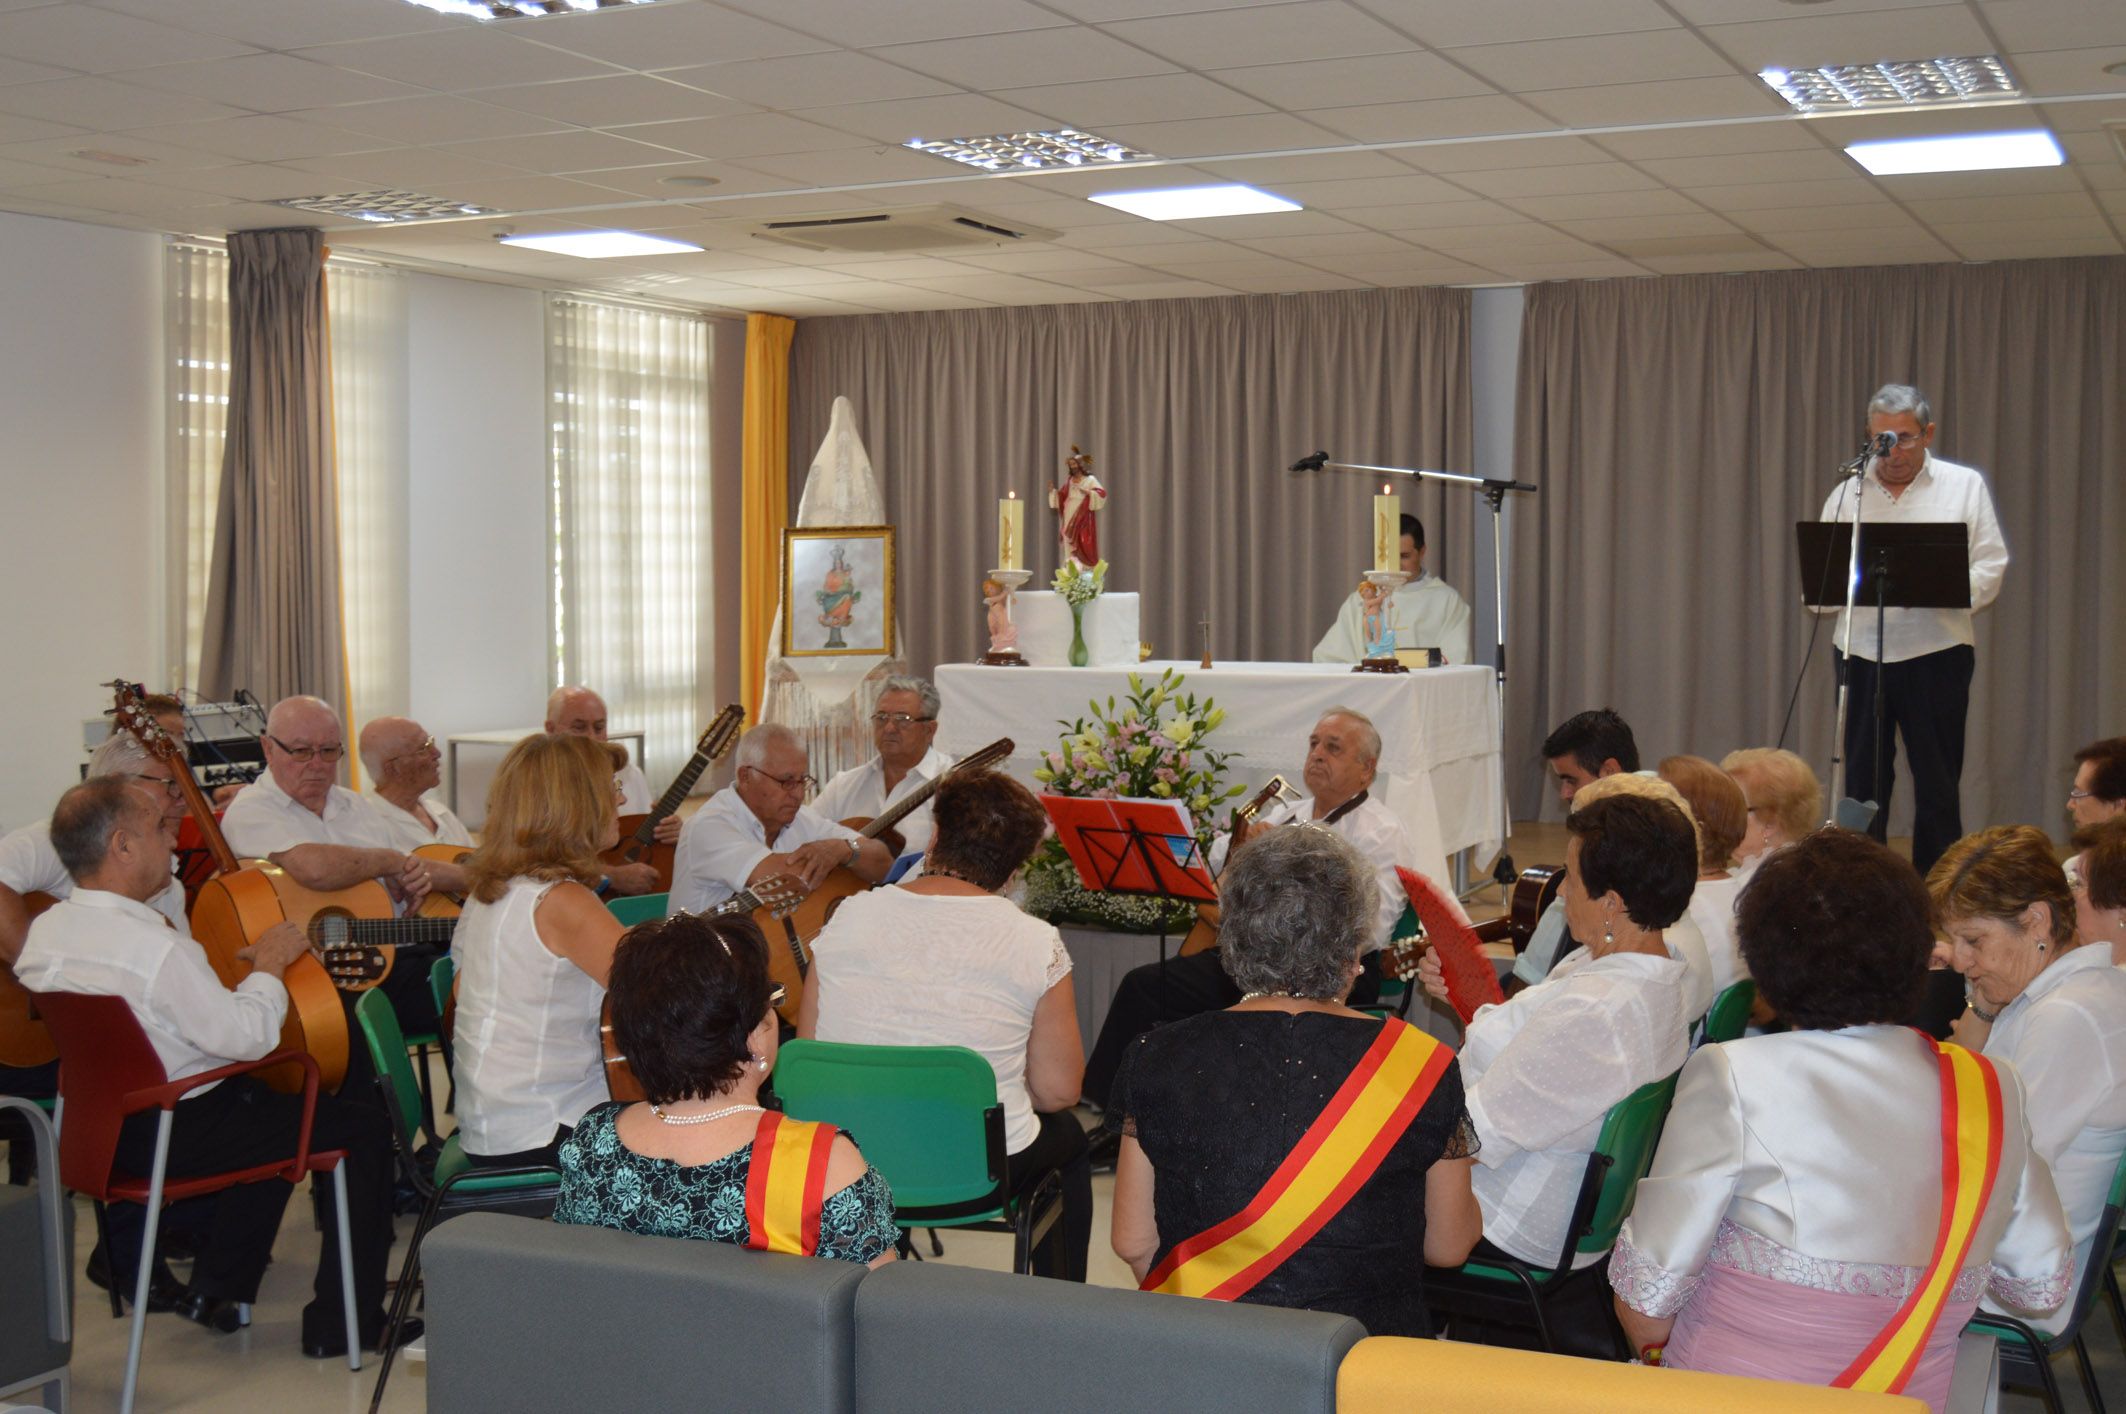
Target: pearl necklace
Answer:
pixel 1260 996
pixel 727 1110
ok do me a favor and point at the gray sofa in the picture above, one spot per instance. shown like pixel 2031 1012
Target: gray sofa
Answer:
pixel 526 1315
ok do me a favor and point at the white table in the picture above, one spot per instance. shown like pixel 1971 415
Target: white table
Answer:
pixel 1440 768
pixel 473 771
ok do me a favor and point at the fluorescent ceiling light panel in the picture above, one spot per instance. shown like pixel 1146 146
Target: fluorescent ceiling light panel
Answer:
pixel 1894 83
pixel 519 9
pixel 1195 203
pixel 601 245
pixel 386 207
pixel 1030 152
pixel 1967 152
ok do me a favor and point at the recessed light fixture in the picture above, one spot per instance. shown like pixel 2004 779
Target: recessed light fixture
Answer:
pixel 385 207
pixel 690 180
pixel 2118 69
pixel 601 245
pixel 1967 152
pixel 516 9
pixel 1030 152
pixel 1195 203
pixel 1893 83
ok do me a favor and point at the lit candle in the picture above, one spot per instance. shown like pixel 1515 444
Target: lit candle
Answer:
pixel 1011 532
pixel 1387 531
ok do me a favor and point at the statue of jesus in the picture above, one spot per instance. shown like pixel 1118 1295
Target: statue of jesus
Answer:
pixel 1076 502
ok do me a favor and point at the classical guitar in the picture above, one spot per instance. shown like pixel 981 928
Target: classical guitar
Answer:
pixel 799 926
pixel 638 833
pixel 770 894
pixel 24 1040
pixel 1204 935
pixel 1533 892
pixel 438 904
pixel 239 904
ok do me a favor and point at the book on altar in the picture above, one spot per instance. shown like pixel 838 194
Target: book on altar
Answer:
pixel 1132 846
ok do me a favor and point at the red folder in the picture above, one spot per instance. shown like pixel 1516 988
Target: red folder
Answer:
pixel 1129 846
pixel 1471 979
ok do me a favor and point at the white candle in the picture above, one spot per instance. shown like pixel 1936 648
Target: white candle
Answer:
pixel 1011 532
pixel 1387 531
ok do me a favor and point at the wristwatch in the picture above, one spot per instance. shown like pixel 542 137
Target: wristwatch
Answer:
pixel 856 847
pixel 1989 1017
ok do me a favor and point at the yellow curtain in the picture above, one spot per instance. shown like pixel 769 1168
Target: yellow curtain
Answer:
pixel 766 501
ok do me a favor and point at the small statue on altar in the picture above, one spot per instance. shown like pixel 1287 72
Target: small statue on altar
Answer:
pixel 1377 630
pixel 1076 501
pixel 837 600
pixel 1003 633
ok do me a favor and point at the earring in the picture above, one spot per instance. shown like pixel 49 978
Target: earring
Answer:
pixel 1609 935
pixel 2040 947
pixel 761 1061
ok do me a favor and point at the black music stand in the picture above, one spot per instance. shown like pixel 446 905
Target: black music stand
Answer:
pixel 1922 564
pixel 1145 848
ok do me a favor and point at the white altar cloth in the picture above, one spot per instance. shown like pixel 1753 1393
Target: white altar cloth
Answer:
pixel 1440 770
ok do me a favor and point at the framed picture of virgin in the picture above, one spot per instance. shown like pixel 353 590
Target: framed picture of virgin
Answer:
pixel 837 591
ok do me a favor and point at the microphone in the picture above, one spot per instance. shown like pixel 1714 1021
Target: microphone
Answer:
pixel 1884 441
pixel 1312 463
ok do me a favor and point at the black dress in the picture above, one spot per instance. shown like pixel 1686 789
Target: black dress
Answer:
pixel 1218 1101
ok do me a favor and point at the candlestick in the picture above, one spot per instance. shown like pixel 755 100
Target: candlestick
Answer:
pixel 1011 532
pixel 1387 531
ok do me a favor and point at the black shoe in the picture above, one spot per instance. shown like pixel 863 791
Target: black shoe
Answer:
pixel 212 1312
pixel 335 1346
pixel 165 1291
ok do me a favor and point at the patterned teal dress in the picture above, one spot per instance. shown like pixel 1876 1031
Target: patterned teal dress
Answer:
pixel 606 1184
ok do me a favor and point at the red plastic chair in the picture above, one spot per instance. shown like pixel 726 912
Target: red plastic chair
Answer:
pixel 107 1071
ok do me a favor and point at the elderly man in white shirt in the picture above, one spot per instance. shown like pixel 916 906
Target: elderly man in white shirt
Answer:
pixel 1343 754
pixel 1922 669
pixel 1426 612
pixel 106 940
pixel 904 725
pixel 405 767
pixel 578 711
pixel 758 827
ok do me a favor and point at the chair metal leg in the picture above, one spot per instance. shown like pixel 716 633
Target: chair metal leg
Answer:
pixel 2089 1385
pixel 428 1099
pixel 103 1240
pixel 2046 1378
pixel 1535 1304
pixel 2118 1305
pixel 937 1245
pixel 147 1263
pixel 354 1339
pixel 402 1296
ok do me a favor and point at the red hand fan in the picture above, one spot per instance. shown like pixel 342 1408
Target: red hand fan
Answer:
pixel 1471 979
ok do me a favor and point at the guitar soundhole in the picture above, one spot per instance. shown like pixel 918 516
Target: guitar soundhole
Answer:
pixel 331 928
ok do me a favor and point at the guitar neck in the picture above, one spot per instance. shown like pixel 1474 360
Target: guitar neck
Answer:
pixel 674 796
pixel 981 760
pixel 376 932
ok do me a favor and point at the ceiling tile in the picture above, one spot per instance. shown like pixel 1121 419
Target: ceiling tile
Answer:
pixel 1101 11
pixel 1344 243
pixel 667 36
pixel 1855 37
pixel 1784 135
pixel 434 118
pixel 255 181
pixel 1819 165
pixel 23 174
pixel 1487 155
pixel 1446 23
pixel 99 41
pixel 1717 264
pixel 1537 267
pixel 1558 181
pixel 1882 217
pixel 1312 167
pixel 2042 206
pixel 949 115
pixel 422 169
pixel 1722 191
pixel 2070 70
pixel 1377 191
pixel 992 61
pixel 565 152
pixel 1212 137
pixel 1286 280
pixel 868 26
pixel 265 138
pixel 650 181
pixel 271 83
pixel 1366 78
pixel 2078 228
pixel 1593 206
pixel 2056 24
pixel 1269 224
pixel 118 194
pixel 1591 60
pixel 545 194
pixel 1158 98
pixel 1428 216
pixel 14 129
pixel 1420 268
pixel 1717 12
pixel 2031 247
pixel 1671 225
pixel 59 152
pixel 855 165
pixel 289 24
pixel 22 71
pixel 810 80
pixel 1477 242
pixel 1269 34
pixel 744 135
pixel 106 104
pixel 618 101
pixel 458 59
pixel 1668 101
pixel 1432 119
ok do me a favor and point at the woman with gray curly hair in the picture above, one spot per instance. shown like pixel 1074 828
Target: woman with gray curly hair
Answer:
pixel 1290 1151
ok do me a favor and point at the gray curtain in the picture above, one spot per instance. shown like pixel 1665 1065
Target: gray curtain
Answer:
pixel 1192 410
pixel 273 621
pixel 1679 427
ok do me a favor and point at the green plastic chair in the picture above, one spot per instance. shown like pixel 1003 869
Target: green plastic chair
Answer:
pixel 455 1186
pixel 1508 1289
pixel 2026 1352
pixel 639 909
pixel 928 1120
pixel 441 978
pixel 1729 1014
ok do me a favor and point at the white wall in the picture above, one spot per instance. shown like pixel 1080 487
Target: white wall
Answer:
pixel 81 483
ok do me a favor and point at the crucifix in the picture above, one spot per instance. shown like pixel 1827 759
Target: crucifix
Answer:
pixel 1205 625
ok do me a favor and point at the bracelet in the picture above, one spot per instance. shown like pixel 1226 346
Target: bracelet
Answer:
pixel 1989 1017
pixel 856 848
pixel 1651 1354
pixel 605 885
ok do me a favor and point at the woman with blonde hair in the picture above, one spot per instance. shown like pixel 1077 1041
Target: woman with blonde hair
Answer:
pixel 534 946
pixel 1782 796
pixel 1717 804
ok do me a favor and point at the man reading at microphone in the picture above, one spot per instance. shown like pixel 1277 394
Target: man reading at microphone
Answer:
pixel 1922 668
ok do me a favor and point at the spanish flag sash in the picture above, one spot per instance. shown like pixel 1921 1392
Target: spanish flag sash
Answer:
pixel 1970 1161
pixel 787 1182
pixel 1332 1161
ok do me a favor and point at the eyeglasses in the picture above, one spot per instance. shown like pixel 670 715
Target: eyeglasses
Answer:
pixel 1908 439
pixel 307 754
pixel 786 782
pixel 170 787
pixel 619 788
pixel 2073 794
pixel 777 995
pixel 896 719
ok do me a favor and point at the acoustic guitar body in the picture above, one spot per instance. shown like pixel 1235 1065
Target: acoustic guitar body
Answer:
pixel 657 854
pixel 1533 893
pixel 24 1040
pixel 1204 936
pixel 438 904
pixel 891 838
pixel 235 908
pixel 620 1081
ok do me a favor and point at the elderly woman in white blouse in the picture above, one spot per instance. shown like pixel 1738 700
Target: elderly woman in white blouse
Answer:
pixel 1796 1201
pixel 1543 1069
pixel 2046 1001
pixel 2100 885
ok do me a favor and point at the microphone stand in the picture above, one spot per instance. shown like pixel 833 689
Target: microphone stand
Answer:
pixel 1856 472
pixel 1494 493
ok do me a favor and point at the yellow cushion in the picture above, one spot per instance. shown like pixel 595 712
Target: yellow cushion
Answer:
pixel 1391 1373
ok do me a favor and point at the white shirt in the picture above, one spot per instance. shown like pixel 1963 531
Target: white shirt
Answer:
pixel 635 796
pixel 1685 940
pixel 724 842
pixel 407 831
pixel 902 969
pixel 1378 835
pixel 1426 613
pixel 29 864
pixel 105 944
pixel 1942 491
pixel 1712 909
pixel 1541 1073
pixel 529 1059
pixel 860 792
pixel 2066 1037
pixel 263 820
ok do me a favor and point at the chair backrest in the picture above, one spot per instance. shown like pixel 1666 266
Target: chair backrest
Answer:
pixel 639 909
pixel 926 1117
pixel 54 1240
pixel 1729 1014
pixel 387 1052
pixel 104 1057
pixel 441 974
pixel 2089 1281
pixel 1627 1141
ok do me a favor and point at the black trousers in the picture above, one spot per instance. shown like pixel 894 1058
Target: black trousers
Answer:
pixel 1060 1147
pixel 37 1082
pixel 1924 700
pixel 240 1122
pixel 547 1155
pixel 1159 992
